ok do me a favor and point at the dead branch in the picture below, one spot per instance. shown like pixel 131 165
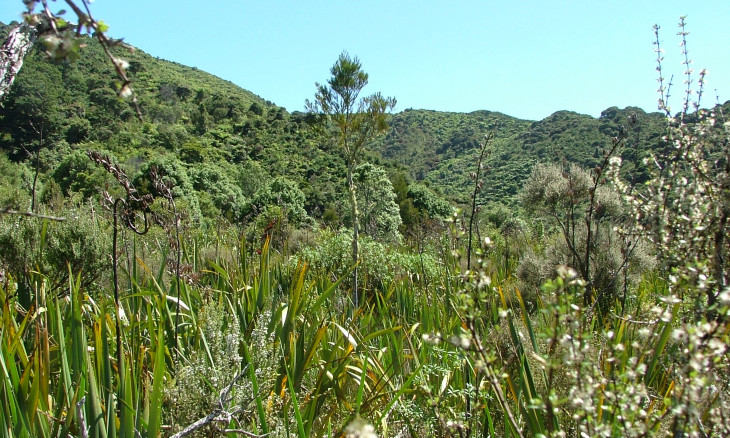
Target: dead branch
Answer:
pixel 16 46
pixel 5 210
pixel 222 414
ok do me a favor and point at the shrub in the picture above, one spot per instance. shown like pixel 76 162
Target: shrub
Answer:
pixel 283 193
pixel 380 264
pixel 78 244
pixel 587 217
pixel 208 370
pixel 379 214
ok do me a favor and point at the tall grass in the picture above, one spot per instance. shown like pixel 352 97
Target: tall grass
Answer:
pixel 237 339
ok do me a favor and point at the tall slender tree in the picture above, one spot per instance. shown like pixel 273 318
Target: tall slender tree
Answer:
pixel 352 122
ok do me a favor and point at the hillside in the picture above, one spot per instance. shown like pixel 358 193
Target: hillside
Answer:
pixel 440 147
pixel 224 143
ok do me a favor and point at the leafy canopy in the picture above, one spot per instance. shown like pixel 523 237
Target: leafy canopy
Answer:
pixel 356 121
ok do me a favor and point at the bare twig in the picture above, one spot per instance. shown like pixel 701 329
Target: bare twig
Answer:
pixel 83 431
pixel 478 184
pixel 6 210
pixel 243 432
pixel 220 414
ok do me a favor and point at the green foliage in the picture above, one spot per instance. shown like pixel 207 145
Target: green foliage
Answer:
pixel 354 121
pixel 169 166
pixel 77 174
pixel 14 183
pixel 283 193
pixel 379 214
pixel 380 264
pixel 52 248
pixel 252 331
pixel 232 126
pixel 224 193
pixel 429 204
pixel 439 147
pixel 32 118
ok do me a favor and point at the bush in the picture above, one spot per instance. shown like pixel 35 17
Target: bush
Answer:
pixel 208 370
pixel 78 244
pixel 283 193
pixel 77 174
pixel 381 264
pixel 587 218
pixel 379 214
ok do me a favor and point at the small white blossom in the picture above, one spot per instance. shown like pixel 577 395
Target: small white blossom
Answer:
pixel 360 429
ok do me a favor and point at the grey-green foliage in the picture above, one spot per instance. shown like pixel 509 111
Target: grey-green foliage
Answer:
pixel 609 261
pixel 551 189
pixel 379 214
pixel 684 207
pixel 77 244
pixel 196 389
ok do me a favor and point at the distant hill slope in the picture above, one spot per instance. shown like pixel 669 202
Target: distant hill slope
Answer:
pixel 219 137
pixel 440 148
pixel 227 139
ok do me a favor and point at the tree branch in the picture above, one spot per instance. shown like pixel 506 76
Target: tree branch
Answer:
pixel 220 414
pixel 13 50
pixel 6 210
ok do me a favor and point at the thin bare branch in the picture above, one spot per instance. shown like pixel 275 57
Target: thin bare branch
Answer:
pixel 7 210
pixel 221 414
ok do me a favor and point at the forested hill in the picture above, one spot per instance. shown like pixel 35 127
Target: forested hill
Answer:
pixel 224 145
pixel 440 148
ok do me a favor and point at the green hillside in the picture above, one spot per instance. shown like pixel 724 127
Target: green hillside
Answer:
pixel 440 147
pixel 227 142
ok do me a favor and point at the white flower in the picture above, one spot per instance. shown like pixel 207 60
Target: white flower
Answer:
pixel 121 63
pixel 360 429
pixel 126 91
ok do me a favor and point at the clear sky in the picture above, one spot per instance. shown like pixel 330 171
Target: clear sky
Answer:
pixel 524 58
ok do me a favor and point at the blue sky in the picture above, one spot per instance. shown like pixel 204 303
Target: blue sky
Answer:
pixel 524 58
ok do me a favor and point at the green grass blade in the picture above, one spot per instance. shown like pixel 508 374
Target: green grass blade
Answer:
pixel 297 415
pixel 255 386
pixel 651 373
pixel 399 393
pixel 158 376
pixel 126 405
pixel 361 387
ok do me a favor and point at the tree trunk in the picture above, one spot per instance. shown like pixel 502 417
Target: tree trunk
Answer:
pixel 355 231
pixel 14 49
